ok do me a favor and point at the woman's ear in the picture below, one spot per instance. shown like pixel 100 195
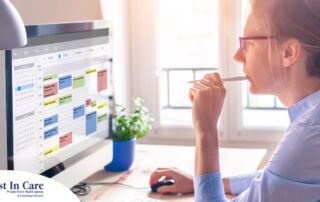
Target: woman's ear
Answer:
pixel 291 50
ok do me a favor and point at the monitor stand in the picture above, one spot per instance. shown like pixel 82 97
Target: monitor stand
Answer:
pixel 87 166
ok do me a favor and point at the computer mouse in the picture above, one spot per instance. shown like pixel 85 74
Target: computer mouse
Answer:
pixel 156 185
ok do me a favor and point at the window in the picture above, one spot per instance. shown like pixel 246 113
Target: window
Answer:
pixel 174 41
pixel 187 49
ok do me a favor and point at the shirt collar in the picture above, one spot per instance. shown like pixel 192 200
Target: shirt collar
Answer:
pixel 304 104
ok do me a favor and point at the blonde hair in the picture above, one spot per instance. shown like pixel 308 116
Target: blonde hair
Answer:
pixel 298 19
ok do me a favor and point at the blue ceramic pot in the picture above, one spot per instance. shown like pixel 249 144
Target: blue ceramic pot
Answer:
pixel 123 155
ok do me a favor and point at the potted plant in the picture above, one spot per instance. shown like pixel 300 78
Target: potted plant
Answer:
pixel 126 128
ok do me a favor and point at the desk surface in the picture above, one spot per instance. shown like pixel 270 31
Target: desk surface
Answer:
pixel 233 161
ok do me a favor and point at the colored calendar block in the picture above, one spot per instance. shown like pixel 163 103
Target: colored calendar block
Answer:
pixel 50 77
pixel 65 82
pixel 65 99
pixel 51 150
pixel 102 117
pixel 103 105
pixel 65 140
pixel 78 112
pixel 50 133
pixel 88 102
pixel 78 82
pixel 102 80
pixel 50 90
pixel 51 120
pixel 92 70
pixel 91 123
pixel 51 102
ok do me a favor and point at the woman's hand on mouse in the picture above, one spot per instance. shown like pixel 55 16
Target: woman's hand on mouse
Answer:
pixel 183 182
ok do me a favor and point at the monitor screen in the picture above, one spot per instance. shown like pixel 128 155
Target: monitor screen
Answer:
pixel 59 85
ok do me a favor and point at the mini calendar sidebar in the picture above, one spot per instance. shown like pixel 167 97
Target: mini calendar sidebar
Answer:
pixel 58 93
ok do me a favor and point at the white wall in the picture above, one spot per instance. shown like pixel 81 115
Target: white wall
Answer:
pixel 57 11
pixel 117 13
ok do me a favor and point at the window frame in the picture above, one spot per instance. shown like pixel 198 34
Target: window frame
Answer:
pixel 145 75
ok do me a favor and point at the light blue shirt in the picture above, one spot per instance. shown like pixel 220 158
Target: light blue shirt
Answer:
pixel 292 173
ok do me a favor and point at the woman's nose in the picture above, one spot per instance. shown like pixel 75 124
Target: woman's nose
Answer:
pixel 238 56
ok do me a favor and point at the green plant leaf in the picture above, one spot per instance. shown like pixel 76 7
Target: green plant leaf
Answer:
pixel 133 125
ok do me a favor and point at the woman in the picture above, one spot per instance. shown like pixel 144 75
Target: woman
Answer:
pixel 280 54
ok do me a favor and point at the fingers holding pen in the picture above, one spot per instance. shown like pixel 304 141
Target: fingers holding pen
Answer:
pixel 214 79
pixel 195 88
pixel 217 83
pixel 210 82
pixel 207 97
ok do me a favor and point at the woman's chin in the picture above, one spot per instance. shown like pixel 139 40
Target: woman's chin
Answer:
pixel 254 90
pixel 258 91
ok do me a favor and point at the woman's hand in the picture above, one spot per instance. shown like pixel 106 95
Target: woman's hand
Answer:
pixel 207 97
pixel 183 182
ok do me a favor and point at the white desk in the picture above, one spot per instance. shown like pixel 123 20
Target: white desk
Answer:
pixel 149 157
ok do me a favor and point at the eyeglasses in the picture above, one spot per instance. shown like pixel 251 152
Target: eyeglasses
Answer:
pixel 242 40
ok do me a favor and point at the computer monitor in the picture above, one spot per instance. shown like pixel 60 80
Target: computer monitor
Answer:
pixel 57 96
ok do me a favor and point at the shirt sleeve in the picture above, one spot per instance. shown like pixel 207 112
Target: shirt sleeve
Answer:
pixel 209 188
pixel 239 183
pixel 292 173
pixel 272 187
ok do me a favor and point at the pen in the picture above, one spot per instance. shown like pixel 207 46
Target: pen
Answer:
pixel 236 78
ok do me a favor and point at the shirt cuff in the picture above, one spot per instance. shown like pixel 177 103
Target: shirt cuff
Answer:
pixel 209 188
pixel 239 183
